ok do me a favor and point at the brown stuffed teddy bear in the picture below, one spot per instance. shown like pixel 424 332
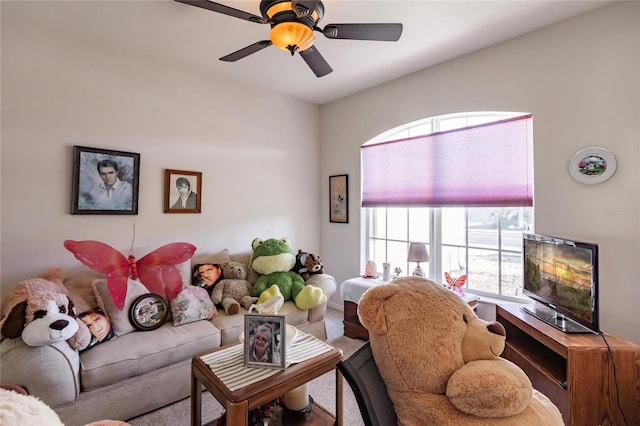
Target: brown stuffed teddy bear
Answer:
pixel 39 310
pixel 233 289
pixel 440 362
pixel 308 264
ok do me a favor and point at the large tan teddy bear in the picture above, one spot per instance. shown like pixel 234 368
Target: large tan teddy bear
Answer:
pixel 440 362
pixel 234 289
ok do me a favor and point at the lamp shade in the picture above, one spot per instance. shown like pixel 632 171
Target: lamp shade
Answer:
pixel 292 36
pixel 418 253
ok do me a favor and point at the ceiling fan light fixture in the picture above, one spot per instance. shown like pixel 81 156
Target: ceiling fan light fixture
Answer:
pixel 270 9
pixel 292 36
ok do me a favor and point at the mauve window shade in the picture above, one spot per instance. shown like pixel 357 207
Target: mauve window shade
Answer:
pixel 489 165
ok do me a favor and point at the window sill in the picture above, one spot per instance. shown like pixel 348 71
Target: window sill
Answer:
pixel 487 304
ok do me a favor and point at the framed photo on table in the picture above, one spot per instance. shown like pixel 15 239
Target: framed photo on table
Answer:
pixel 264 341
pixel 182 191
pixel 339 198
pixel 104 181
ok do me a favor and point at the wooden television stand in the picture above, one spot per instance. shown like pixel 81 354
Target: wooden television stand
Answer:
pixel 589 383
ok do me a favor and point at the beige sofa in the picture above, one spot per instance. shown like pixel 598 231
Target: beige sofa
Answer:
pixel 137 372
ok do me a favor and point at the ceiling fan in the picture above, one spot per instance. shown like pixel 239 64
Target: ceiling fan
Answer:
pixel 292 26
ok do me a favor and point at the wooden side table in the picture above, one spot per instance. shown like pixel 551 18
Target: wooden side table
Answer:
pixel 238 402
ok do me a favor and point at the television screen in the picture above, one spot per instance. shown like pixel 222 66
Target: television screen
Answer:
pixel 563 275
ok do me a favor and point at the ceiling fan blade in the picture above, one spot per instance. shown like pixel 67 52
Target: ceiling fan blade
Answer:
pixel 225 10
pixel 378 32
pixel 316 62
pixel 304 7
pixel 246 51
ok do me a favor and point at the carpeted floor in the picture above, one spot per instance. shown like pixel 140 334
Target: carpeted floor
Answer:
pixel 322 389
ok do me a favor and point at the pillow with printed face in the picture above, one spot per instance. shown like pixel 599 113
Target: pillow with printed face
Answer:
pixel 206 275
pixel 99 326
pixel 119 318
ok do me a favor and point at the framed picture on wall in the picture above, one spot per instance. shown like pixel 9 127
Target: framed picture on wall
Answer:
pixel 104 181
pixel 182 191
pixel 339 198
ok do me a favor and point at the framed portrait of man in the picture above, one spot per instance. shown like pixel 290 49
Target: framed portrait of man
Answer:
pixel 182 191
pixel 104 181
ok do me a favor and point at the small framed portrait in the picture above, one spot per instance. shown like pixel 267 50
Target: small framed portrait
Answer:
pixel 104 181
pixel 182 191
pixel 148 312
pixel 264 341
pixel 339 198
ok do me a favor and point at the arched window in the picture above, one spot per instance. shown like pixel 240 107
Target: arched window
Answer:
pixel 478 232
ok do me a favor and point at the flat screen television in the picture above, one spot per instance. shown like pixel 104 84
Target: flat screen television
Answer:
pixel 562 275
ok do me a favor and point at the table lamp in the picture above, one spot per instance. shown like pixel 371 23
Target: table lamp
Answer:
pixel 418 253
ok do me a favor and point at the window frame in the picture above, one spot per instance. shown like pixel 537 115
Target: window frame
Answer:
pixel 435 245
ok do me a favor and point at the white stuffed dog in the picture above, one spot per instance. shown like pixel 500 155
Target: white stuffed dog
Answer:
pixel 39 310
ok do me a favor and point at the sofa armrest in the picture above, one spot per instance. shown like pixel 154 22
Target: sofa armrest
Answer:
pixel 50 373
pixel 328 285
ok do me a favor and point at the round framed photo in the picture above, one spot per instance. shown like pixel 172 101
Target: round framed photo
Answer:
pixel 148 312
pixel 592 165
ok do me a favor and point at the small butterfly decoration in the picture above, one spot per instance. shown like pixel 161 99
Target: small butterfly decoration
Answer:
pixel 457 284
pixel 157 270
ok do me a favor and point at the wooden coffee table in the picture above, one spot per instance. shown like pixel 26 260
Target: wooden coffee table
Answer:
pixel 238 402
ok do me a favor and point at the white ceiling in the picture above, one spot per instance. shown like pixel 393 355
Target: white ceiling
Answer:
pixel 434 31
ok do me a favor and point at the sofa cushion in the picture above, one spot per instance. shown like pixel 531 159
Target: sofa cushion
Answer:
pixel 143 351
pixel 81 291
pixel 119 318
pixel 231 326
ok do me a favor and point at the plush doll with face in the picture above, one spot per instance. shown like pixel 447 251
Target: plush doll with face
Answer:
pixel 441 363
pixel 274 259
pixel 40 311
pixel 308 264
pixel 233 290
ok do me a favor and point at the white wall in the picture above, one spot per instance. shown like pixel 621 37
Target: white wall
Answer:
pixel 59 90
pixel 580 79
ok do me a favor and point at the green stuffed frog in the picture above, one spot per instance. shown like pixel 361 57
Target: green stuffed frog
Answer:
pixel 274 259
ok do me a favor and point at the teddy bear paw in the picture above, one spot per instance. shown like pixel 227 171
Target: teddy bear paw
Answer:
pixel 310 297
pixel 247 301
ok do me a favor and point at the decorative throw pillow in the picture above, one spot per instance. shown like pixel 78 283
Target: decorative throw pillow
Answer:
pixel 99 326
pixel 81 292
pixel 219 257
pixel 119 318
pixel 192 304
pixel 206 275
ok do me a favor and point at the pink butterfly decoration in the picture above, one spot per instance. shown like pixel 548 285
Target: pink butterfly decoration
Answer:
pixel 457 284
pixel 157 270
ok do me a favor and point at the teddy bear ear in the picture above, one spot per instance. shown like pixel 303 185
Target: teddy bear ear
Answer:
pixel 371 307
pixel 13 324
